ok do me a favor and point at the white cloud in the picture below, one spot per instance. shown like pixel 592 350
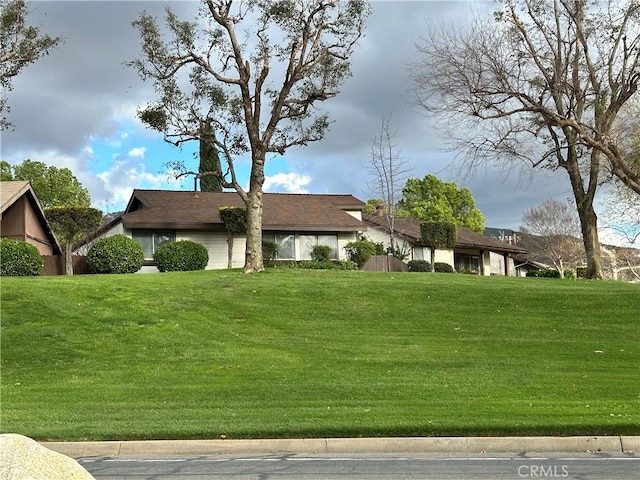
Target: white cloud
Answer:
pixel 137 152
pixel 126 175
pixel 287 183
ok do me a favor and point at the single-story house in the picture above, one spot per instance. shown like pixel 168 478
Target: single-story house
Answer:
pixel 22 218
pixel 296 222
pixel 473 251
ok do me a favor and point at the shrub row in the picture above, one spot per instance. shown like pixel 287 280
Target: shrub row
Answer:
pixel 544 273
pixel 121 254
pixel 320 265
pixel 425 266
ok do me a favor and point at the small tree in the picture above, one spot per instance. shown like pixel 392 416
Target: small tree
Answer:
pixel 433 200
pixel 553 230
pixel 70 224
pixel 389 170
pixel 437 235
pixel 235 221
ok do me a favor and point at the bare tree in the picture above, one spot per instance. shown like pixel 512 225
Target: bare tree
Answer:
pixel 550 232
pixel 20 45
pixel 621 263
pixel 257 85
pixel 389 171
pixel 621 214
pixel 544 81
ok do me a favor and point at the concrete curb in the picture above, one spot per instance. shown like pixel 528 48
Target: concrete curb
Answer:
pixel 415 445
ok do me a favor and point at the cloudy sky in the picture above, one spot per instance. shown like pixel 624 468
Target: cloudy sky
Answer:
pixel 76 108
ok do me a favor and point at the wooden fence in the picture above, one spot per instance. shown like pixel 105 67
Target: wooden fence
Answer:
pixel 385 263
pixel 55 265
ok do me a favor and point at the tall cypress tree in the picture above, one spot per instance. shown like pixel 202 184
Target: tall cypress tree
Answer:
pixel 210 168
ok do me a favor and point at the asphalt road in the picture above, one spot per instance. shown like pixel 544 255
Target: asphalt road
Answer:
pixel 366 467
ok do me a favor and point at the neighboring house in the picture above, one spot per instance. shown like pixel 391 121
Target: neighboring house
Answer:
pixel 22 218
pixel 297 222
pixel 473 251
pixel 525 265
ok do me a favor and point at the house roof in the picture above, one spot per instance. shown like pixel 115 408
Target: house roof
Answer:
pixel 199 211
pixel 12 191
pixel 409 228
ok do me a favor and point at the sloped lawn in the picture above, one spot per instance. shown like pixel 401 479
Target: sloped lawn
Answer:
pixel 292 353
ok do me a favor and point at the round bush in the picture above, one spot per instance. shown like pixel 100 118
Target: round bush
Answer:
pixel 419 266
pixel 181 256
pixel 442 267
pixel 116 254
pixel 19 259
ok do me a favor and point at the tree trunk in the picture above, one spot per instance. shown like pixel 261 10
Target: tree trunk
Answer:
pixel 433 259
pixel 584 203
pixel 589 225
pixel 229 250
pixel 253 254
pixel 68 257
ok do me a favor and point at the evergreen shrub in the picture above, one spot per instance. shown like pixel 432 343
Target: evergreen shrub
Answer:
pixel 19 259
pixel 419 266
pixel 544 273
pixel 181 256
pixel 320 253
pixel 115 254
pixel 269 252
pixel 442 267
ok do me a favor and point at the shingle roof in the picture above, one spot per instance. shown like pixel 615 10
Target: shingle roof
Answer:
pixel 199 211
pixel 410 229
pixel 11 191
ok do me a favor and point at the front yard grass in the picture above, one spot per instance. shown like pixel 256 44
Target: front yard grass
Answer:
pixel 293 353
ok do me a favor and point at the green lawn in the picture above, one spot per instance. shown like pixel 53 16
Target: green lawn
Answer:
pixel 298 353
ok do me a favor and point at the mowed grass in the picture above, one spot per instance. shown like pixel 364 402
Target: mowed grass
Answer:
pixel 295 353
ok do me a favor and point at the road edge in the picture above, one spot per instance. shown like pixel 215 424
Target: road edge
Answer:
pixel 578 444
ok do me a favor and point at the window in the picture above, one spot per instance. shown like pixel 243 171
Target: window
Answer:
pixel 150 240
pixel 286 243
pixel 307 242
pixel 467 263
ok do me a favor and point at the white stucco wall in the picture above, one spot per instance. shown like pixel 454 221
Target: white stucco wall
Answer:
pixel 216 244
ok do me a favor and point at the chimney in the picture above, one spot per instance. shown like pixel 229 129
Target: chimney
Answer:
pixel 379 210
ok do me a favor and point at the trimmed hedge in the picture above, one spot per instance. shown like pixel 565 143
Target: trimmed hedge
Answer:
pixel 439 234
pixel 442 267
pixel 115 254
pixel 19 259
pixel 419 266
pixel 320 265
pixel 181 256
pixel 544 273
